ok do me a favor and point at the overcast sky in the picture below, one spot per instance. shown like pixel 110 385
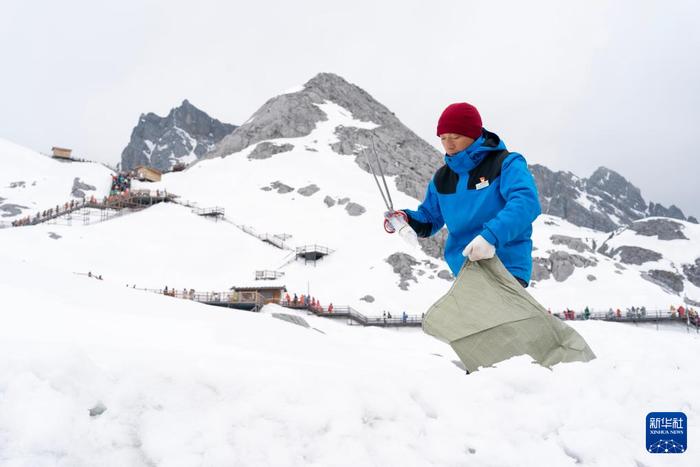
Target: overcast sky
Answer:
pixel 570 84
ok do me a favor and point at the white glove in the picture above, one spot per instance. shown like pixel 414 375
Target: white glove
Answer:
pixel 397 221
pixel 479 249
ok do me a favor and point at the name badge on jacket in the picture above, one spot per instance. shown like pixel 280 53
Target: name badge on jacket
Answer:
pixel 483 183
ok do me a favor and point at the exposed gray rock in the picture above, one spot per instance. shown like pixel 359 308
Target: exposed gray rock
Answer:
pixel 294 319
pixel 604 247
pixel 434 246
pixel 572 242
pixel 445 274
pixel 430 264
pixel 330 202
pixel 161 142
pixel 692 272
pixel 635 255
pixel 583 262
pixel 355 209
pixel 11 209
pixel 342 201
pixel 281 187
pixel 692 220
pixel 266 149
pixel 540 269
pixel 558 192
pixel 666 279
pixel 308 190
pixel 403 264
pixel 97 410
pixel 285 116
pixel 266 188
pixel 618 197
pixel 78 187
pixel 351 140
pixel 619 266
pixel 19 184
pixel 591 277
pixel 54 235
pixel 657 210
pixel 368 299
pixel 664 229
pixel 562 264
pixel 690 301
pixel 611 200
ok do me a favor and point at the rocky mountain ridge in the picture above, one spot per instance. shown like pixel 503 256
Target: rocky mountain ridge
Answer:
pixel 183 136
pixel 605 201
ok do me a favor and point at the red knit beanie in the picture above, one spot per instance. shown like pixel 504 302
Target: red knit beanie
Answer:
pixel 460 118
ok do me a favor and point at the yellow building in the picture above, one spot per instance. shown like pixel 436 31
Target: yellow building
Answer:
pixel 147 173
pixel 61 153
pixel 269 294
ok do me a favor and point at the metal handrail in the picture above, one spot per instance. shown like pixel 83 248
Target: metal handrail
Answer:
pixel 624 314
pixel 268 275
pixel 348 311
pixel 314 248
pixel 209 297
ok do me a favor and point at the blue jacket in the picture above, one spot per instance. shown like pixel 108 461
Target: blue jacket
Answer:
pixel 482 190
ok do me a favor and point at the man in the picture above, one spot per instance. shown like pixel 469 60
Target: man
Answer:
pixel 484 194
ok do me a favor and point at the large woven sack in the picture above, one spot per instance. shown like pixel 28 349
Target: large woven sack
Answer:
pixel 488 317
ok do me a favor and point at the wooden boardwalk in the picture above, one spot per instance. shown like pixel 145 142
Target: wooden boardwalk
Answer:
pixel 355 317
pixel 133 201
pixel 253 301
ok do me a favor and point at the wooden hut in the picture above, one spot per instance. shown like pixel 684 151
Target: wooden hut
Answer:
pixel 149 174
pixel 270 294
pixel 61 153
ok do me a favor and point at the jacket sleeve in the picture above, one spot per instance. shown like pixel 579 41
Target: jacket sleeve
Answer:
pixel 427 220
pixel 522 203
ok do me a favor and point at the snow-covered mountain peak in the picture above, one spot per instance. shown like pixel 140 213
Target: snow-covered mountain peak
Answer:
pixel 296 114
pixel 604 201
pixel 183 136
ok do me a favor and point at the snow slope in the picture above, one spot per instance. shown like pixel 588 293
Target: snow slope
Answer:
pixel 184 384
pixel 615 285
pixel 675 252
pixel 36 182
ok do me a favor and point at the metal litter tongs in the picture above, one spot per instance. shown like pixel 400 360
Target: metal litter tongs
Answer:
pixel 394 221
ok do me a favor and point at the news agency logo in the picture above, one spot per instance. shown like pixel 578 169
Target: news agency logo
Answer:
pixel 667 432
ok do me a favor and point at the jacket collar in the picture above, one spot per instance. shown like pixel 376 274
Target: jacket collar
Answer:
pixel 465 160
